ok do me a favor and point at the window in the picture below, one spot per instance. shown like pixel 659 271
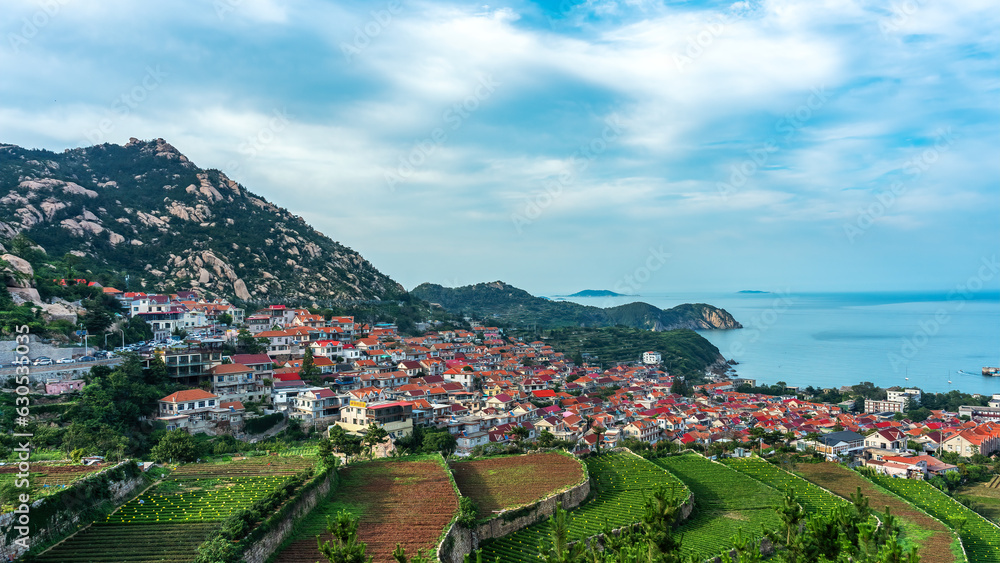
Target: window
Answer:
pixel 201 404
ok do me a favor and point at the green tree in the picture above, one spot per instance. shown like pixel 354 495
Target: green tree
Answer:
pixel 225 319
pixel 247 343
pixel 559 550
pixel 374 435
pixel 309 372
pixel 345 546
pixel 176 445
pixel 599 432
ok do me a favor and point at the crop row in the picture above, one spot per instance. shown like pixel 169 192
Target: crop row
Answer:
pixel 199 505
pixel 620 482
pixel 980 537
pixel 120 543
pixel 725 502
pixel 811 497
pixel 250 467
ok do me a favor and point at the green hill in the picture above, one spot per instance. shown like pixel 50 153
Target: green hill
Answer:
pixel 498 300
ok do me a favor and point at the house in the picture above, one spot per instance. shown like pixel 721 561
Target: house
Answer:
pixel 237 382
pixel 839 443
pixel 187 409
pixel 315 405
pixel 63 386
pixel 887 439
pixel 396 417
pixel 983 439
pixel 651 358
pixel 643 430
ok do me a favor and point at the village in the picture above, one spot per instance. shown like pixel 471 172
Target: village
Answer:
pixel 482 386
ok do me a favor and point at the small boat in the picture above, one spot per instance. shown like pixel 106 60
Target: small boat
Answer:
pixel 963 372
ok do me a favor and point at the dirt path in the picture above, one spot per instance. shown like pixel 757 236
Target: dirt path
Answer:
pixel 936 548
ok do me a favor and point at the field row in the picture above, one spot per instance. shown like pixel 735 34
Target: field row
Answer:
pixel 811 497
pixel 980 537
pixel 725 503
pixel 620 483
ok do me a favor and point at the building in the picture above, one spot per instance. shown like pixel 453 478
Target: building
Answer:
pixel 315 405
pixel 186 366
pixel 873 405
pixel 651 358
pixel 237 382
pixel 63 386
pixel 904 395
pixel 396 417
pixel 839 443
pixel 188 409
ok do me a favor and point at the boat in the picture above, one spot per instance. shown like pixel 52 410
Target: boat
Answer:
pixel 993 372
pixel 963 372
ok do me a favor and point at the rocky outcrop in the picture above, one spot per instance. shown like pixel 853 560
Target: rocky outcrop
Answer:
pixel 145 210
pixel 20 273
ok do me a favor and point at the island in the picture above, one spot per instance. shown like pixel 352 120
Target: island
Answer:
pixel 597 293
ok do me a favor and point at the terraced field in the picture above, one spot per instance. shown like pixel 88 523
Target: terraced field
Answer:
pixel 49 478
pixel 621 482
pixel 410 502
pixel 506 482
pixel 811 497
pixel 139 543
pixel 934 541
pixel 980 537
pixel 725 502
pixel 171 519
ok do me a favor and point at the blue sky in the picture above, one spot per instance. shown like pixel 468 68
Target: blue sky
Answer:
pixel 826 145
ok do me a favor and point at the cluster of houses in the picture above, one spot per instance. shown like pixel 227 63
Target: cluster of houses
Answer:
pixel 480 386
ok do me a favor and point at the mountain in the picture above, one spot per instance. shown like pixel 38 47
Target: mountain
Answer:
pixel 596 293
pixel 145 210
pixel 518 307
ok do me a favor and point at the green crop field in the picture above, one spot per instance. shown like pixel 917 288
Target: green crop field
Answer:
pixel 168 521
pixel 725 502
pixel 811 497
pixel 620 483
pixel 980 537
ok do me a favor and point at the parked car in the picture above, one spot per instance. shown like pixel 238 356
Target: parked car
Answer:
pixel 42 361
pixel 87 359
pixel 65 361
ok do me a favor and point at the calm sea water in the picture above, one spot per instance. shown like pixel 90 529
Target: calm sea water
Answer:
pixel 831 339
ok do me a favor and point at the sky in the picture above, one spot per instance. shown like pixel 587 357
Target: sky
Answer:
pixel 828 145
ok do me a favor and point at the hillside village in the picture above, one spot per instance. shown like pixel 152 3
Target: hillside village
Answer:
pixel 481 385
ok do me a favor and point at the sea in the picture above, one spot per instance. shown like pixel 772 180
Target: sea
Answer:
pixel 937 341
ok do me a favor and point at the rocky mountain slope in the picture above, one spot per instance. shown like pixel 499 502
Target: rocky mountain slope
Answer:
pixel 145 210
pixel 505 302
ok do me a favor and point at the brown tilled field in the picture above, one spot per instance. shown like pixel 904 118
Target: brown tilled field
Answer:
pixel 410 502
pixel 936 548
pixel 507 482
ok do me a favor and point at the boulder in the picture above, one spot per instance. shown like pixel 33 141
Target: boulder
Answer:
pixel 20 274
